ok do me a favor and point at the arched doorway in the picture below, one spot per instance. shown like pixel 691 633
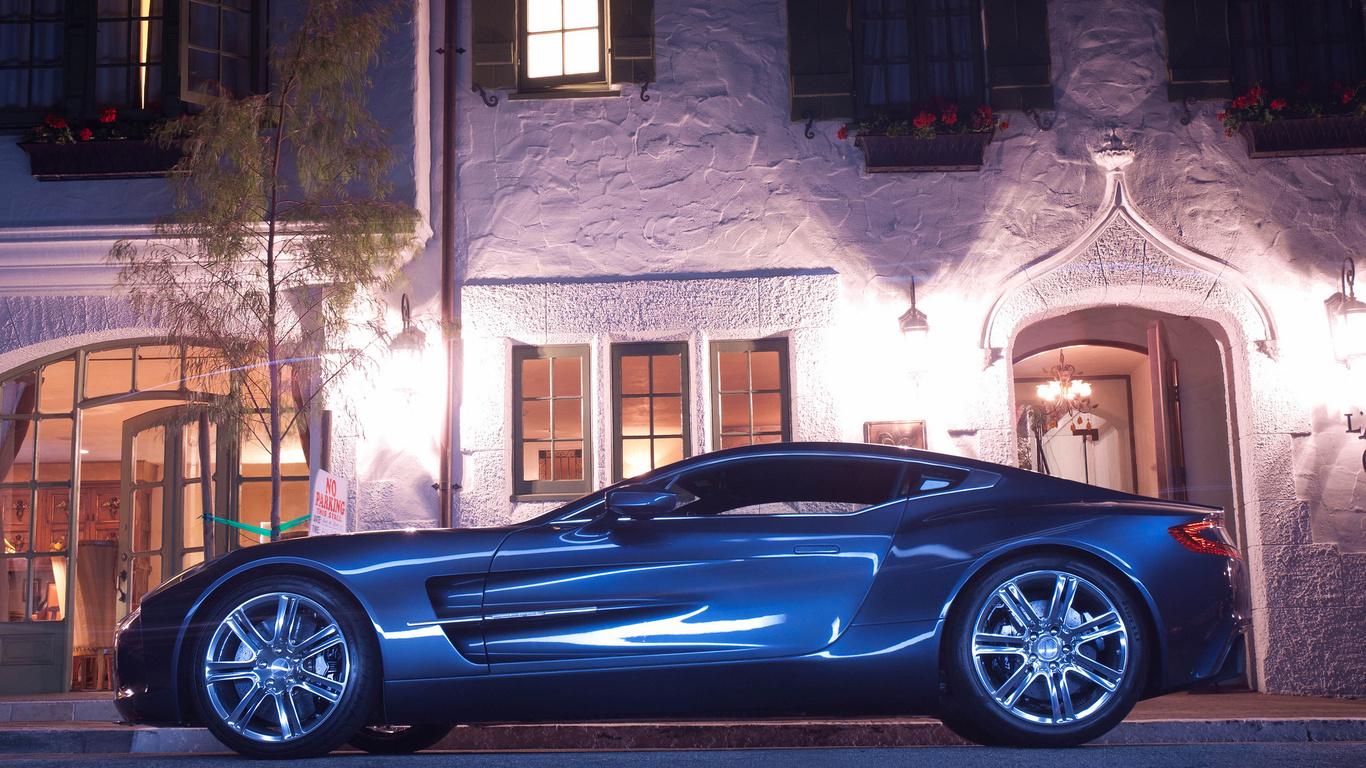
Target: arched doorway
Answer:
pixel 101 494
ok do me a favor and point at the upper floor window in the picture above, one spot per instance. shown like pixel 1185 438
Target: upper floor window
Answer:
pixel 77 58
pixel 1218 48
pixel 858 58
pixel 562 47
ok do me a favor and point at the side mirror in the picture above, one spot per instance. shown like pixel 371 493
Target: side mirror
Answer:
pixel 640 502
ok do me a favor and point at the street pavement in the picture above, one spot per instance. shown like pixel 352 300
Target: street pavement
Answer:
pixel 1171 756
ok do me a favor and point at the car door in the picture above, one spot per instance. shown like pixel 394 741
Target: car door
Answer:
pixel 764 557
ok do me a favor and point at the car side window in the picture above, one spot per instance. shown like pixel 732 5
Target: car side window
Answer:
pixel 786 485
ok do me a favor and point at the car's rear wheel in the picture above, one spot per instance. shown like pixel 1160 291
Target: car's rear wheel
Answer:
pixel 1044 652
pixel 399 739
pixel 285 668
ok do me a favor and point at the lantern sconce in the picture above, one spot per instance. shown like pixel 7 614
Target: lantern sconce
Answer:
pixel 1347 318
pixel 914 325
pixel 405 351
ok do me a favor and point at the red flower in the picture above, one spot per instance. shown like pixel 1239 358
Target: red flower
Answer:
pixel 842 133
pixel 1278 103
pixel 924 120
pixel 1222 116
pixel 950 114
pixel 1005 125
pixel 87 134
pixel 108 116
pixel 1348 94
pixel 55 122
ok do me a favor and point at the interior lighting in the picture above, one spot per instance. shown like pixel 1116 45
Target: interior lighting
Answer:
pixel 563 38
pixel 1064 395
pixel 1347 317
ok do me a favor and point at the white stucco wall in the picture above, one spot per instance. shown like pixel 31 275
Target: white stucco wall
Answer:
pixel 710 177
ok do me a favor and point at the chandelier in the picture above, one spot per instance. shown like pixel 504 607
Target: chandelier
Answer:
pixel 1064 395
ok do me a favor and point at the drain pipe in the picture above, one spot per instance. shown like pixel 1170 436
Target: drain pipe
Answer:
pixel 448 112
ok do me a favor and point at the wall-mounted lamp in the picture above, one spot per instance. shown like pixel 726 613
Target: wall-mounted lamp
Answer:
pixel 405 352
pixel 915 327
pixel 1347 317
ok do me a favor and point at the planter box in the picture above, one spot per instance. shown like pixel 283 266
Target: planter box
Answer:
pixel 127 159
pixel 1306 136
pixel 900 154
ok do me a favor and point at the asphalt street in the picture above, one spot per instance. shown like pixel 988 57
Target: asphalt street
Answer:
pixel 1169 756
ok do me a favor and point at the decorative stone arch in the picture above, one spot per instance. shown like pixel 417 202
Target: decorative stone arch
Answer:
pixel 1122 260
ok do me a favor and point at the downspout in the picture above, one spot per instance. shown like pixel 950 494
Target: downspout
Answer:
pixel 448 112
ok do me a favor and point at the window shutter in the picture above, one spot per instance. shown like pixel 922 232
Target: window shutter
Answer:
pixel 1198 58
pixel 1019 66
pixel 820 54
pixel 633 40
pixel 494 43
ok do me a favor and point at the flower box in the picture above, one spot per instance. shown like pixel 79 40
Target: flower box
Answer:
pixel 126 159
pixel 1298 137
pixel 946 152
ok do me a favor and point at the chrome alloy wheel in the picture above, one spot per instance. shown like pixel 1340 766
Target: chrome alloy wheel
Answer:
pixel 1050 647
pixel 276 667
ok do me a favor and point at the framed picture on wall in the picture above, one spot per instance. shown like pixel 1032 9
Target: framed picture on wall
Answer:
pixel 907 434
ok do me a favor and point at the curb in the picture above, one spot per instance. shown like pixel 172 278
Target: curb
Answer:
pixel 113 738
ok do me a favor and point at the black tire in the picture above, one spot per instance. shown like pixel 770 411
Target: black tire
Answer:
pixel 1049 677
pixel 296 694
pixel 399 739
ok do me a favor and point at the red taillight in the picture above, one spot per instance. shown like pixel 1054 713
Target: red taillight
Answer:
pixel 1188 535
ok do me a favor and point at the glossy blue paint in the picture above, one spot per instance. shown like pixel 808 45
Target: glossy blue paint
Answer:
pixel 836 606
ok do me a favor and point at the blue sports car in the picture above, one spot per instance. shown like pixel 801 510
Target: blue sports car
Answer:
pixel 795 579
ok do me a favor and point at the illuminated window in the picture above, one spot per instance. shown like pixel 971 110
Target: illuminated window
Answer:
pixel 563 41
pixel 551 447
pixel 144 56
pixel 751 393
pixel 650 407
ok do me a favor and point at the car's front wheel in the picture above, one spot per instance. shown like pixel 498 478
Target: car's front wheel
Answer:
pixel 285 669
pixel 1044 652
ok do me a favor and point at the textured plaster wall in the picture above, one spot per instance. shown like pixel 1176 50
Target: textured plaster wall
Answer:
pixel 709 177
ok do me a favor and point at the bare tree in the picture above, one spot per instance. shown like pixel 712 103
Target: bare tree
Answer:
pixel 283 229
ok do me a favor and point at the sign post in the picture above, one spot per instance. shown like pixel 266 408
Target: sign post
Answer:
pixel 328 506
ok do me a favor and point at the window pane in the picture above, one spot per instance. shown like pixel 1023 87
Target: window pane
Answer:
pixel 254 508
pixel 189 467
pixel 191 559
pixel 568 461
pixel 766 373
pixel 49 588
pixel 158 368
pixel 206 371
pixel 149 455
pixel 734 371
pixel 107 9
pixel 109 372
pixel 535 378
pixel 581 52
pixel 533 464
pixel 143 575
pixel 18 395
pixel 536 419
pixel 237 33
pixel 568 418
pixel 568 377
pixel 635 416
pixel 203 70
pixel 734 413
pixel 667 374
pixel 16 450
pixel 668 415
pixel 668 450
pixel 57 387
pixel 54 449
pixel 580 13
pixel 192 516
pixel 15 514
pixel 543 15
pixel 810 484
pixel 544 55
pixel 255 450
pixel 735 442
pixel 635 457
pixel 147 517
pixel 203 25
pixel 14 591
pixel 635 375
pixel 768 412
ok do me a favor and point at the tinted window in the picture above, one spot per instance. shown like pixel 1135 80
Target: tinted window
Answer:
pixel 787 485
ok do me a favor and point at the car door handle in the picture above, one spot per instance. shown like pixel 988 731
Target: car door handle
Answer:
pixel 815 549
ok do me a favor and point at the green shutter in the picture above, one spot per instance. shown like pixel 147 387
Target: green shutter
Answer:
pixel 820 54
pixel 633 40
pixel 494 43
pixel 1198 58
pixel 1019 66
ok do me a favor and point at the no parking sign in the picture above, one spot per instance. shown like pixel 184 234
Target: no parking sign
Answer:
pixel 328 494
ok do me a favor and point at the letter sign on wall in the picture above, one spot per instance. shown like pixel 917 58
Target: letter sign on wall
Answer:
pixel 329 504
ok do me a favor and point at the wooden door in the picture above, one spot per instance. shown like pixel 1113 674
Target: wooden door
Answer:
pixel 1171 460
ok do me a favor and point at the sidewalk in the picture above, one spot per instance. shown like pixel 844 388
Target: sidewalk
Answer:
pixel 84 723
